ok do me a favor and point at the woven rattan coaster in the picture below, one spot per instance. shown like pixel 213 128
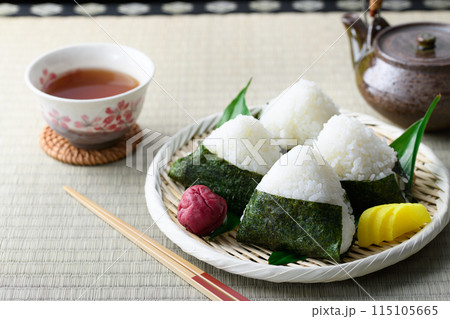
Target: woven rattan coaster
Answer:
pixel 59 148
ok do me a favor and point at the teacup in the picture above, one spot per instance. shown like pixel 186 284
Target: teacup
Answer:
pixel 91 123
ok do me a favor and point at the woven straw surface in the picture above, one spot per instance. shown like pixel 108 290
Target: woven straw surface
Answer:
pixel 54 249
pixel 60 149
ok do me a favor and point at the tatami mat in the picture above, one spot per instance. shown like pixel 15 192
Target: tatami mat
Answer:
pixel 54 249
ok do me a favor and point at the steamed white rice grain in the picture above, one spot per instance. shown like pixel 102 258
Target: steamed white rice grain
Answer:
pixel 298 113
pixel 299 174
pixel 245 143
pixel 354 151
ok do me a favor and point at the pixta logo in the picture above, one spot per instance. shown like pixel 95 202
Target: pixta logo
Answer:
pixel 148 144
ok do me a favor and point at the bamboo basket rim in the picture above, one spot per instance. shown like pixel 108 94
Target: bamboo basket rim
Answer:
pixel 314 270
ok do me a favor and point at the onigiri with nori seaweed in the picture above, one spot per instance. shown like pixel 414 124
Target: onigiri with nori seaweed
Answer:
pixel 299 206
pixel 231 161
pixel 364 162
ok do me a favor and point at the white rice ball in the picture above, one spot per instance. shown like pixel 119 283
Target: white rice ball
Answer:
pixel 354 151
pixel 298 113
pixel 245 143
pixel 299 174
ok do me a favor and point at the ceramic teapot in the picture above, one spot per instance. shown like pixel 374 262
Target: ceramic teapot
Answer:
pixel 400 69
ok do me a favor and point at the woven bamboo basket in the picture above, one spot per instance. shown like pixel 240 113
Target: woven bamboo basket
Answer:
pixel 431 188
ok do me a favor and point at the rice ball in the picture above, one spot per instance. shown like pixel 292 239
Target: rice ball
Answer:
pixel 245 143
pixel 300 174
pixel 298 113
pixel 354 151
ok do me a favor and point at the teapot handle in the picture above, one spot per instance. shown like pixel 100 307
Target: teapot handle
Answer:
pixel 374 7
pixel 375 27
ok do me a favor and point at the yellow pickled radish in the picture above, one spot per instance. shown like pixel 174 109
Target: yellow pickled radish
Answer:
pixel 370 225
pixel 365 229
pixel 382 216
pixel 405 220
pixel 386 222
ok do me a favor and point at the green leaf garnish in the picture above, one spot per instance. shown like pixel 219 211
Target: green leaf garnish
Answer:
pixel 407 144
pixel 236 107
pixel 284 257
pixel 230 222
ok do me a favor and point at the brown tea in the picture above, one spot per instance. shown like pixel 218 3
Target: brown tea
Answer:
pixel 82 84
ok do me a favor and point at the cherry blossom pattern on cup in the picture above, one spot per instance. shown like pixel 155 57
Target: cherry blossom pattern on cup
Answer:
pixel 116 118
pixel 46 76
pixel 89 124
pixel 119 117
pixel 59 120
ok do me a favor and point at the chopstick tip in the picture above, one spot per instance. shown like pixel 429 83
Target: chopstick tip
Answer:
pixel 68 189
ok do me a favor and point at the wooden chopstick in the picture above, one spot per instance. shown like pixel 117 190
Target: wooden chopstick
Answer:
pixel 206 284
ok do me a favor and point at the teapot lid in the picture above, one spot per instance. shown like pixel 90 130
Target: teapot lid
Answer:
pixel 415 45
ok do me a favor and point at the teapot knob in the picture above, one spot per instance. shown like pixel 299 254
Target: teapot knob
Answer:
pixel 426 41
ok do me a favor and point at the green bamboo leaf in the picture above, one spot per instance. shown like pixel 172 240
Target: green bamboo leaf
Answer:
pixel 284 257
pixel 407 144
pixel 236 107
pixel 230 222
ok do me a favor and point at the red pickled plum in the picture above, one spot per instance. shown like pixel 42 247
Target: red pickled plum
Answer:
pixel 200 210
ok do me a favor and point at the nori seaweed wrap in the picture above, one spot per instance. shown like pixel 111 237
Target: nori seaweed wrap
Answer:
pixel 299 206
pixel 278 223
pixel 366 194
